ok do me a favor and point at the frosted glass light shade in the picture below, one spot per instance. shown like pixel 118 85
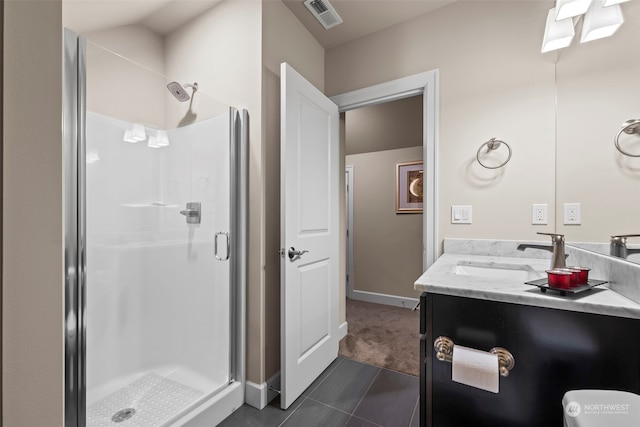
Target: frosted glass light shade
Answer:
pixel 92 157
pixel 570 8
pixel 557 34
pixel 612 2
pixel 153 142
pixel 136 134
pixel 161 139
pixel 600 21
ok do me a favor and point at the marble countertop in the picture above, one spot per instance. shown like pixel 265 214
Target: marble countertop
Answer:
pixel 441 278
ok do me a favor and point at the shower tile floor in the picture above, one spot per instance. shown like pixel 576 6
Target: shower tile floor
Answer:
pixel 348 393
pixel 151 400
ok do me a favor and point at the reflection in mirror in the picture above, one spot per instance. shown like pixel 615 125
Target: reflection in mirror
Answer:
pixel 598 90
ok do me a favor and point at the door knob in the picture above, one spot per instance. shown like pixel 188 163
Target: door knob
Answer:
pixel 295 254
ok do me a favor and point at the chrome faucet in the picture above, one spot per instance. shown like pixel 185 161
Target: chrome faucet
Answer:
pixel 618 246
pixel 558 259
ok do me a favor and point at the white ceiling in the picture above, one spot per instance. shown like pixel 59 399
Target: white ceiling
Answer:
pixel 360 17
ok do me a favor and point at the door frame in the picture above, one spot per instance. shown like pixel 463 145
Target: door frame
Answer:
pixel 349 170
pixel 425 84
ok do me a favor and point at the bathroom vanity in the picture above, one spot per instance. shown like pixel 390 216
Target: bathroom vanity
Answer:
pixel 560 343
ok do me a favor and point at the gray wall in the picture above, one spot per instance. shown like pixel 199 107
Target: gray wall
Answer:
pixel 387 254
pixel 1 150
pixel 32 217
pixel 493 82
pixel 284 39
pixel 387 126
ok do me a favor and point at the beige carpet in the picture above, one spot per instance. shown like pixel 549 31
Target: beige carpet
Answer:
pixel 384 336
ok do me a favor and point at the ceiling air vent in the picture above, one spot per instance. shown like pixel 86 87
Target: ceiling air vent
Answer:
pixel 324 12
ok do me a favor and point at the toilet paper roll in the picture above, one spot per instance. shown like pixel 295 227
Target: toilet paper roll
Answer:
pixel 475 368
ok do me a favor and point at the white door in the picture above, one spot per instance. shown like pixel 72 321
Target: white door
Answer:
pixel 309 224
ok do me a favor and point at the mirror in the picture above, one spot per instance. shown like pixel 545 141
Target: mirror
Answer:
pixel 598 89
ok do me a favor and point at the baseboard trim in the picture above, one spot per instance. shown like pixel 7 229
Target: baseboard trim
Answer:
pixel 253 394
pixel 342 330
pixel 259 395
pixel 385 299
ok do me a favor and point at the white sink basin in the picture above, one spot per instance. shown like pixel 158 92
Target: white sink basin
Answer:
pixel 498 270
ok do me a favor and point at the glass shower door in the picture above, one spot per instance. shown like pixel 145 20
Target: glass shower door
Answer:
pixel 158 288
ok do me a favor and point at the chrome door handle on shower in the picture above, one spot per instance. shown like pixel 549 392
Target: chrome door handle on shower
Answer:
pixel 192 212
pixel 215 246
pixel 295 254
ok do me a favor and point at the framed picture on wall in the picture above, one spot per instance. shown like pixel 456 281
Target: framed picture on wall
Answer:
pixel 409 177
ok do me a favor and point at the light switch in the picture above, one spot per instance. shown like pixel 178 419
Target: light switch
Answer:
pixel 461 214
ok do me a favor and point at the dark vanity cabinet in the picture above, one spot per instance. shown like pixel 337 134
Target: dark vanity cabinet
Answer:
pixel 554 350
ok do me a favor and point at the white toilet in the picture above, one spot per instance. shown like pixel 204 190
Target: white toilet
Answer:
pixel 601 408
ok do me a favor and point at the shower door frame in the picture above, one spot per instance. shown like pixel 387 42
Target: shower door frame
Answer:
pixel 74 205
pixel 73 108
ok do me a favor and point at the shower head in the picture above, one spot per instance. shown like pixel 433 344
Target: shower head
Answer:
pixel 178 91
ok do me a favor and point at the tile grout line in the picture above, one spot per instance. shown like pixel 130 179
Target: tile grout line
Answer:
pixel 368 421
pixel 416 408
pixel 310 391
pixel 343 411
pixel 398 372
pixel 366 391
pixel 325 377
pixel 329 406
pixel 292 412
pixel 371 384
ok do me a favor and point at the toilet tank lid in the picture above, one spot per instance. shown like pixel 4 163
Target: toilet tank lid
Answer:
pixel 600 397
pixel 597 408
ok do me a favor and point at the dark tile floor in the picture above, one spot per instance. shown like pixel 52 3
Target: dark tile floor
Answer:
pixel 347 394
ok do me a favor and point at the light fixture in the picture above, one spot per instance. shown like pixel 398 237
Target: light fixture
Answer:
pixel 163 138
pixel 159 140
pixel 136 134
pixel 557 34
pixel 570 8
pixel 608 3
pixel 92 157
pixel 601 21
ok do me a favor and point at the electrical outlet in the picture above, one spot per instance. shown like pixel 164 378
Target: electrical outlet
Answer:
pixel 539 213
pixel 572 213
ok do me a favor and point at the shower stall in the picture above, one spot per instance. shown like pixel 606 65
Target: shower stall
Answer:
pixel 155 211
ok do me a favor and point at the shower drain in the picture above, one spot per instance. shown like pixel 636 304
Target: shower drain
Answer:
pixel 123 415
pixel 151 400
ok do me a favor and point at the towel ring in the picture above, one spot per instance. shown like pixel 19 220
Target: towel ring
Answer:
pixel 493 144
pixel 629 127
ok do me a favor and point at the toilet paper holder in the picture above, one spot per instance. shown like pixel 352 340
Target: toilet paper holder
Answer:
pixel 443 347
